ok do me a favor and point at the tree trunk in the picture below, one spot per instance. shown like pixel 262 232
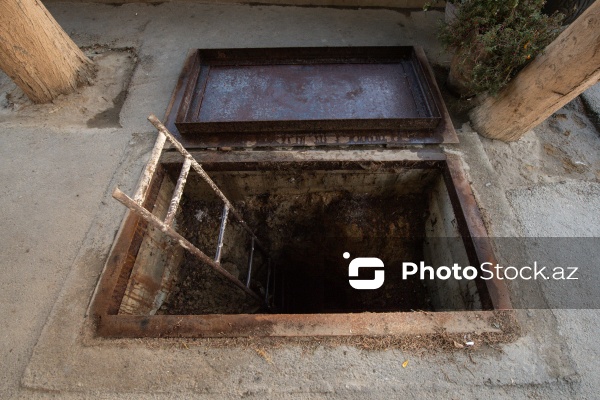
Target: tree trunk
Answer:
pixel 37 54
pixel 568 66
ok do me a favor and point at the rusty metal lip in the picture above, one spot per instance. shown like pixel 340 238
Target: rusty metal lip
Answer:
pixel 111 324
pixel 296 325
pixel 218 105
pixel 327 159
pixel 473 230
pixel 182 101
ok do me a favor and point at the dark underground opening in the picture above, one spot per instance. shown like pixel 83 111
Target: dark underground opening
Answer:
pixel 314 274
pixel 307 220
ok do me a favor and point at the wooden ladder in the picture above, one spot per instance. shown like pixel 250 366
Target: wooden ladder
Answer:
pixel 166 226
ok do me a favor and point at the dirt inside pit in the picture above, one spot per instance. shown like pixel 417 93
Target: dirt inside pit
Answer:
pixel 306 236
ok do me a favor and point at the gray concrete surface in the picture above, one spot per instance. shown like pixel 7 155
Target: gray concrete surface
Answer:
pixel 59 222
pixel 580 202
pixel 591 99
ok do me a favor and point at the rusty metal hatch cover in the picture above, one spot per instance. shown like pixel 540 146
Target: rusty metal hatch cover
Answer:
pixel 308 97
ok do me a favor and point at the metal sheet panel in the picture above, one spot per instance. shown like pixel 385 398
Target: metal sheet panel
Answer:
pixel 308 97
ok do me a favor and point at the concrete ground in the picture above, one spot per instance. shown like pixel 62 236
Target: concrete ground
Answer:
pixel 59 163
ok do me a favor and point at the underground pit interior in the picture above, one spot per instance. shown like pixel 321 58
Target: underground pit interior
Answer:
pixel 307 218
pixel 305 231
pixel 308 210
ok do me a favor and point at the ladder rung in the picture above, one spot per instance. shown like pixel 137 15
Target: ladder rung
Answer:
pixel 200 171
pixel 250 263
pixel 144 183
pixel 185 169
pixel 183 242
pixel 136 205
pixel 224 216
pixel 268 280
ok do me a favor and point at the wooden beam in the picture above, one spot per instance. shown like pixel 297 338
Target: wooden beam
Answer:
pixel 568 66
pixel 37 54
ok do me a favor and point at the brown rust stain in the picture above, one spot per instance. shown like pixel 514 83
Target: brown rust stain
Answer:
pixel 134 231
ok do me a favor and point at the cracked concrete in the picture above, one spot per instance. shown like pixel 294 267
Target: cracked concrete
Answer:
pixel 59 222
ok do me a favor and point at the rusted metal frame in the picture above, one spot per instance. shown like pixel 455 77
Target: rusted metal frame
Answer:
pixel 250 264
pixel 294 55
pixel 203 76
pixel 148 173
pixel 224 217
pixel 445 130
pixel 178 192
pixel 423 82
pixel 321 56
pixel 191 73
pixel 378 127
pixel 183 242
pixel 136 228
pixel 200 171
pixel 473 231
pixel 324 160
pixel 114 280
pixel 311 139
pixel 267 325
pixel 414 70
pixel 178 96
pixel 294 325
pixel 464 231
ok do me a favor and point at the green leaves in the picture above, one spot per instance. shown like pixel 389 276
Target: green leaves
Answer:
pixel 500 37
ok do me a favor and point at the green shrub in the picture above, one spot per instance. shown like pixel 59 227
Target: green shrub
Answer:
pixel 497 38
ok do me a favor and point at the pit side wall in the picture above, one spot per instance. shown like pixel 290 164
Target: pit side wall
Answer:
pixel 442 247
pixel 239 185
pixel 156 265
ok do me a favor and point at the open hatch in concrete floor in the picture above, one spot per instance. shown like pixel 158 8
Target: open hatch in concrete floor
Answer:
pixel 314 212
pixel 308 209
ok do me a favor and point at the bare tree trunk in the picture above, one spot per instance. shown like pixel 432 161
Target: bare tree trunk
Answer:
pixel 569 65
pixel 37 54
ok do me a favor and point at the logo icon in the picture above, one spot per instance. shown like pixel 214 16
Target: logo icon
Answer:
pixel 365 262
